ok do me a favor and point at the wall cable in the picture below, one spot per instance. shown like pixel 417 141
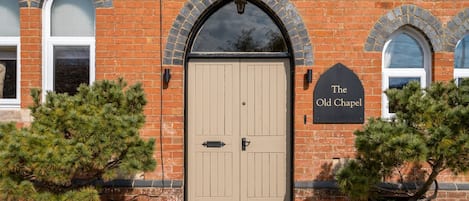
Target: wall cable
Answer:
pixel 161 94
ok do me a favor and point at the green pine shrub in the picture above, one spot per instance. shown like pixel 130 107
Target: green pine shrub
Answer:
pixel 75 141
pixel 430 127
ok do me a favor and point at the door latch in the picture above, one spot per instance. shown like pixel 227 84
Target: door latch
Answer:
pixel 214 144
pixel 244 143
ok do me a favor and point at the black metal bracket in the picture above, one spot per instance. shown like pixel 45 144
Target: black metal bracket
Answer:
pixel 309 76
pixel 244 143
pixel 213 144
pixel 167 75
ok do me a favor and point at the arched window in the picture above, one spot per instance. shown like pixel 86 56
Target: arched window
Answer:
pixel 227 31
pixel 461 59
pixel 9 53
pixel 69 51
pixel 406 58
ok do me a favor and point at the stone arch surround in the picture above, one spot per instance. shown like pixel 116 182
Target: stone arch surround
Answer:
pixel 457 28
pixel 406 15
pixel 194 9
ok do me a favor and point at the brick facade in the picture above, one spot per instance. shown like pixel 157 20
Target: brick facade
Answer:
pixel 133 44
pixel 39 3
pixel 334 195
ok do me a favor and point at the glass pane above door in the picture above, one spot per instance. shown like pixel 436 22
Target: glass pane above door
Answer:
pixel 227 31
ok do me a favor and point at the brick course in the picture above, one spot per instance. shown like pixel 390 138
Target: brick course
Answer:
pixel 129 44
pixel 335 195
pixel 39 3
pixel 31 52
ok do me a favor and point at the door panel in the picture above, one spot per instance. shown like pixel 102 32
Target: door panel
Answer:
pixel 263 182
pixel 216 171
pixel 231 99
pixel 264 123
pixel 213 117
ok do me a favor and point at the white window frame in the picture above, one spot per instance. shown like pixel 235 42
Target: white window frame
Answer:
pixel 423 73
pixel 460 72
pixel 49 42
pixel 16 102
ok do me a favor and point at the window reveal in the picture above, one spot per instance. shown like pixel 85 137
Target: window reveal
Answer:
pixel 461 59
pixel 403 52
pixel 71 68
pixel 406 58
pixel 73 18
pixel 8 72
pixel 400 82
pixel 9 53
pixel 9 18
pixel 69 27
pixel 461 54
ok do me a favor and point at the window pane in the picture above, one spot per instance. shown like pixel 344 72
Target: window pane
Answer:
pixel 73 18
pixel 459 80
pixel 9 18
pixel 403 52
pixel 71 68
pixel 8 72
pixel 228 31
pixel 400 82
pixel 461 54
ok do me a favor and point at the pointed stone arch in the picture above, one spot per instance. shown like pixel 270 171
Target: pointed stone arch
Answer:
pixel 457 28
pixel 409 15
pixel 194 9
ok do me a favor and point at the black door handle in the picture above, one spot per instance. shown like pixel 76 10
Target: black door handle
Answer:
pixel 244 143
pixel 213 144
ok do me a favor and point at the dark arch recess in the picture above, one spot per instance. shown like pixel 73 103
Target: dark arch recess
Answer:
pixel 401 16
pixel 193 10
pixel 38 3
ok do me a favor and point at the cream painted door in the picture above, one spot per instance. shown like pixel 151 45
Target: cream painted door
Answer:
pixel 231 101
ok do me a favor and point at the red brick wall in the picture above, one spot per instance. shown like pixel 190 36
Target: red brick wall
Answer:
pixel 142 194
pixel 128 45
pixel 334 195
pixel 31 52
pixel 338 31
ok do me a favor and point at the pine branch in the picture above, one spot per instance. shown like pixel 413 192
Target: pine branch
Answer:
pixel 386 191
pixel 426 186
pixel 115 163
pixel 79 124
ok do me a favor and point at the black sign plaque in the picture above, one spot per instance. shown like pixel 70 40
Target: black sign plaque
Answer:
pixel 339 97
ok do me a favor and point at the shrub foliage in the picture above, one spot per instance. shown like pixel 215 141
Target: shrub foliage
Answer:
pixel 73 142
pixel 430 129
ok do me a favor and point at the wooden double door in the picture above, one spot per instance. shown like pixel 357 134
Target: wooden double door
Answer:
pixel 238 129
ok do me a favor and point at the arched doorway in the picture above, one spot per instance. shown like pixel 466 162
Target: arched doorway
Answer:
pixel 238 109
